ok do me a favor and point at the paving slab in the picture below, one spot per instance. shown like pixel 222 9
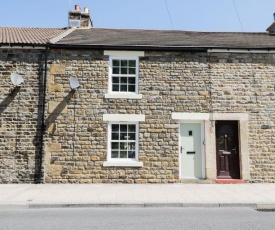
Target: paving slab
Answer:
pixel 135 195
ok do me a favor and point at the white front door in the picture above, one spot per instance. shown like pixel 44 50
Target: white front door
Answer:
pixel 191 150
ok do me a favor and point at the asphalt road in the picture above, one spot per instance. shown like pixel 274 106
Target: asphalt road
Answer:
pixel 137 218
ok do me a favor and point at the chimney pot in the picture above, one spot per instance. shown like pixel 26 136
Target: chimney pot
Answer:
pixel 86 10
pixel 77 8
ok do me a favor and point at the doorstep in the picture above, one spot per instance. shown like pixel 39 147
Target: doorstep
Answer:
pixel 196 181
pixel 229 181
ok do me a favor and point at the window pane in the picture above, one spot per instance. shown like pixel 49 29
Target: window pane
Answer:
pixel 115 128
pixel 115 62
pixel 123 80
pixel 114 154
pixel 132 136
pixel 131 88
pixel 115 136
pixel 114 145
pixel 123 128
pixel 132 71
pixel 124 136
pixel 132 63
pixel 131 80
pixel 132 128
pixel 123 154
pixel 116 87
pixel 131 154
pixel 124 63
pixel 115 79
pixel 123 145
pixel 115 70
pixel 123 88
pixel 123 70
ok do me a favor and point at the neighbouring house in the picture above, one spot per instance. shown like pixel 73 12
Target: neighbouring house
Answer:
pixel 153 106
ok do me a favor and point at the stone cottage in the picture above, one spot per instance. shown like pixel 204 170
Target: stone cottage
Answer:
pixel 152 106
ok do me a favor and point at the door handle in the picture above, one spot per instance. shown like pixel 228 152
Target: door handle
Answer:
pixel 181 149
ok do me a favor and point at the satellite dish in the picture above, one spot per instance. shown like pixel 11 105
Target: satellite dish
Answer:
pixel 17 79
pixel 74 83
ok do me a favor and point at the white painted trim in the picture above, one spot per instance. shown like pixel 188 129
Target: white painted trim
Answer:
pixel 123 95
pixel 122 164
pixel 239 51
pixel 116 53
pixel 109 159
pixel 111 69
pixel 190 116
pixel 124 117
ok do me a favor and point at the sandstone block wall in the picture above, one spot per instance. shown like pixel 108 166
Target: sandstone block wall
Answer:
pixel 20 110
pixel 75 144
pixel 76 139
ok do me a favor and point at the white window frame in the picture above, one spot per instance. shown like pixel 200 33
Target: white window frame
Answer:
pixel 127 162
pixel 123 119
pixel 110 90
pixel 123 55
pixel 110 141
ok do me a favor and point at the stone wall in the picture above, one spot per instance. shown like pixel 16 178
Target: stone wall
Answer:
pixel 76 135
pixel 76 139
pixel 20 113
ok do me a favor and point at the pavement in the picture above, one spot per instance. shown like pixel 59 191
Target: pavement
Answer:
pixel 259 196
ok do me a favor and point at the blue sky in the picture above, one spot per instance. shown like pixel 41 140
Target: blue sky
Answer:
pixel 194 15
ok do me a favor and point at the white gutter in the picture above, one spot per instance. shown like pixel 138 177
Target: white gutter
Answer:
pixel 241 51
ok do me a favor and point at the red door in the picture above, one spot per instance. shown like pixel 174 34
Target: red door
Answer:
pixel 227 147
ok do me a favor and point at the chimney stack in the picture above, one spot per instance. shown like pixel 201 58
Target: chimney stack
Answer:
pixel 80 19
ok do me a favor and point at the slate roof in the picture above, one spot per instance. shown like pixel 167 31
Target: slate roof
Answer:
pixel 166 38
pixel 34 36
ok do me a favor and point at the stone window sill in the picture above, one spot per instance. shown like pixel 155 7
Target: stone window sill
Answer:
pixel 123 95
pixel 122 164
